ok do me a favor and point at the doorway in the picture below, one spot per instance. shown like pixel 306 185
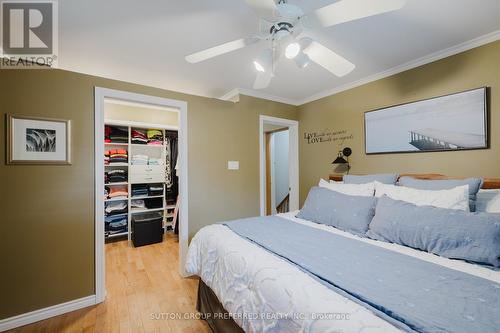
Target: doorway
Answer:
pixel 173 106
pixel 279 171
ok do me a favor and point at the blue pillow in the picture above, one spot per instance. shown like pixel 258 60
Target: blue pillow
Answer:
pixel 449 233
pixel 384 178
pixel 475 185
pixel 346 212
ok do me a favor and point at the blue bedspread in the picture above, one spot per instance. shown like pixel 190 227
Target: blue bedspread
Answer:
pixel 412 294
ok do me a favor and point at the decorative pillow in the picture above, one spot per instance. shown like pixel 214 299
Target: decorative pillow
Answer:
pixel 346 212
pixel 455 198
pixel 445 184
pixel 384 178
pixel 365 190
pixel 488 201
pixel 446 232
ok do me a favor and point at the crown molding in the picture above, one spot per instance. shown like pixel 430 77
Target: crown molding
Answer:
pixel 263 95
pixel 231 96
pixel 468 45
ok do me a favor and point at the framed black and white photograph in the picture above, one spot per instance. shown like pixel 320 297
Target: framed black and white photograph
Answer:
pixel 38 140
pixel 452 122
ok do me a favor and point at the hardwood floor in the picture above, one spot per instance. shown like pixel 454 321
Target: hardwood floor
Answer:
pixel 141 283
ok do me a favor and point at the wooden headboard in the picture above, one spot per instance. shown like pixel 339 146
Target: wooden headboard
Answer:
pixel 489 183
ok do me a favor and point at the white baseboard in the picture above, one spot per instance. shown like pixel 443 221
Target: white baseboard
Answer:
pixel 51 311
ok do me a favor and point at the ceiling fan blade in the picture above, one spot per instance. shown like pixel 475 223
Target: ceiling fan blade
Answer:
pixel 328 59
pixel 263 80
pixel 220 49
pixel 350 10
pixel 265 8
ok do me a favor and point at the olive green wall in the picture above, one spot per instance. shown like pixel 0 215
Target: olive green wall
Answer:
pixel 47 212
pixel 344 111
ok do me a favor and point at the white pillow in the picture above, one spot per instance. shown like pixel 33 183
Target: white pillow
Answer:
pixel 455 198
pixel 363 190
pixel 488 201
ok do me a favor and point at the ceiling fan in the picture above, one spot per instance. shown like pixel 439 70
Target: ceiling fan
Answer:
pixel 284 26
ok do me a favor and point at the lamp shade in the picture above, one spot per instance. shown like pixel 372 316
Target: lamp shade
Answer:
pixel 340 160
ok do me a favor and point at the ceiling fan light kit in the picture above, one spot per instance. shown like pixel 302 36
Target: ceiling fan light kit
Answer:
pixel 292 50
pixel 287 37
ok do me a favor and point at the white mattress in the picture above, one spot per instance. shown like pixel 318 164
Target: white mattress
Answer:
pixel 265 293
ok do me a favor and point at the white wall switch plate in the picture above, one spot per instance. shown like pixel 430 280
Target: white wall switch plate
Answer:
pixel 233 165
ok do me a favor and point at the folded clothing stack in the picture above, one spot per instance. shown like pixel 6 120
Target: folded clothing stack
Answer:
pixel 139 137
pixel 139 190
pixel 116 176
pixel 116 156
pixel 138 204
pixel 107 132
pixel 114 224
pixel 117 192
pixel 155 189
pixel 155 161
pixel 116 207
pixel 115 135
pixel 140 159
pixel 155 137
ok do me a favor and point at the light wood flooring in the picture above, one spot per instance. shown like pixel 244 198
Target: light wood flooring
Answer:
pixel 139 282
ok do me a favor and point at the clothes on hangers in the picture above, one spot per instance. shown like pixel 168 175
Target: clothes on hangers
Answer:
pixel 171 180
pixel 168 165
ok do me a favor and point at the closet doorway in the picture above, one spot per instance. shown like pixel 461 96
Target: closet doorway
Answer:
pixel 279 176
pixel 141 174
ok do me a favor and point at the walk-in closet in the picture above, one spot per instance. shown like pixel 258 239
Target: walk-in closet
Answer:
pixel 140 173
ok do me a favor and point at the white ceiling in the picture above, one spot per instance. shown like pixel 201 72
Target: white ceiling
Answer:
pixel 146 41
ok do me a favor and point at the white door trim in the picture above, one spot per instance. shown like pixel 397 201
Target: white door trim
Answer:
pixel 293 127
pixel 273 175
pixel 100 95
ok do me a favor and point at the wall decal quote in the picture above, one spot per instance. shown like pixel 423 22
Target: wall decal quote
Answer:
pixel 333 136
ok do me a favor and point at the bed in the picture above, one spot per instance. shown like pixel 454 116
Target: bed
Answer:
pixel 259 280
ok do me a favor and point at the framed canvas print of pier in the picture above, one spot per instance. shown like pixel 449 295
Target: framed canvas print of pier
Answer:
pixel 452 122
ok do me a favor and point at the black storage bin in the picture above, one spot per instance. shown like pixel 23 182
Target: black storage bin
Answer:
pixel 154 203
pixel 147 229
